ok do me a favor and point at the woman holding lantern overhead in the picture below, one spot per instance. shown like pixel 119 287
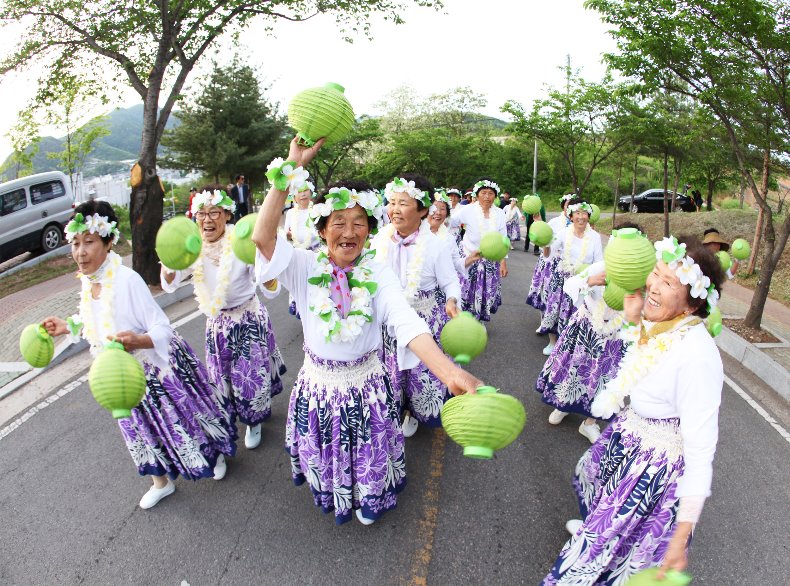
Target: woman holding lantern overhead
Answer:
pixel 482 291
pixel 181 425
pixel 343 430
pixel 423 264
pixel 642 485
pixel 241 352
pixel 574 248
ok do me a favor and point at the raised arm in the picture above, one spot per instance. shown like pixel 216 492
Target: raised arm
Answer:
pixel 265 233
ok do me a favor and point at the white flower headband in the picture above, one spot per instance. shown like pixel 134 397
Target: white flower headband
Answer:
pixel 400 185
pixel 453 191
pixel 485 183
pixel 567 197
pixel 688 271
pixel 441 196
pixel 94 224
pixel 342 198
pixel 216 198
pixel 583 206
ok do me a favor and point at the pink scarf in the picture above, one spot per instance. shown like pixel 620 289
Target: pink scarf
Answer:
pixel 401 256
pixel 339 290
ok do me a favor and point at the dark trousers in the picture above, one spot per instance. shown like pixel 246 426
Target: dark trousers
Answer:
pixel 241 211
pixel 526 240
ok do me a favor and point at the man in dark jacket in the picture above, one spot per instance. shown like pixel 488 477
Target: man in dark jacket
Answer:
pixel 240 194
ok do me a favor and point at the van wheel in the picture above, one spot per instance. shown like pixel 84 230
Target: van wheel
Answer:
pixel 51 238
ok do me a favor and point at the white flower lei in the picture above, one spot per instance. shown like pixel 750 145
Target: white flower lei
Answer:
pixel 583 206
pixel 566 264
pixel 414 268
pixel 442 232
pixel 400 185
pixel 485 225
pixel 640 360
pixel 207 304
pixel 106 318
pixel 311 231
pixel 363 288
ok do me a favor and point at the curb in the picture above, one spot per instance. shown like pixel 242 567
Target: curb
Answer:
pixel 762 365
pixel 60 251
pixel 68 349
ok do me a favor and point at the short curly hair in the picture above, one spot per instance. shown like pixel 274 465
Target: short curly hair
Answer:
pixel 711 268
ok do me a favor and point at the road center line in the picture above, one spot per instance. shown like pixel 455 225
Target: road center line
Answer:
pixel 757 407
pixel 426 526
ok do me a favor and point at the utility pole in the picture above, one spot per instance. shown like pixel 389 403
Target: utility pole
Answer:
pixel 535 169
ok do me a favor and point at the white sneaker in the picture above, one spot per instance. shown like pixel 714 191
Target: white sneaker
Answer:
pixel 252 439
pixel 538 330
pixel 154 495
pixel 591 431
pixel 409 426
pixel 557 416
pixel 364 520
pixel 547 350
pixel 220 468
pixel 573 526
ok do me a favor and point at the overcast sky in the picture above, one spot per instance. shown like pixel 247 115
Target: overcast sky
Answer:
pixel 504 49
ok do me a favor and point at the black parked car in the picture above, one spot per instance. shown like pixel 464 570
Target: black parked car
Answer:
pixel 652 200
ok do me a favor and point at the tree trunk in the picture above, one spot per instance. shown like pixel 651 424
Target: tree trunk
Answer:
pixel 633 176
pixel 711 187
pixel 743 191
pixel 763 219
pixel 145 210
pixel 676 164
pixel 773 253
pixel 616 193
pixel 666 194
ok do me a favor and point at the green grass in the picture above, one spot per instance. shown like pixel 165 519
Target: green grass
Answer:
pixel 731 224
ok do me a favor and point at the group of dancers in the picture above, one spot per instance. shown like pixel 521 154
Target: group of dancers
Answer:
pixel 372 288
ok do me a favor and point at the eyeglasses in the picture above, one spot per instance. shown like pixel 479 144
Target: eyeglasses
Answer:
pixel 213 214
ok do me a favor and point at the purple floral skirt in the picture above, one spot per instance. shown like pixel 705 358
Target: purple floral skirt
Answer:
pixel 559 306
pixel 344 438
pixel 243 359
pixel 540 278
pixel 582 362
pixel 482 289
pixel 418 389
pixel 513 228
pixel 626 486
pixel 182 424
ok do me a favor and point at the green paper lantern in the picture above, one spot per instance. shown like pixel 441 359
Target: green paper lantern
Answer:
pixel 713 322
pixel 649 577
pixel 497 201
pixel 540 233
pixel 321 112
pixel 596 213
pixel 241 239
pixel 483 422
pixel 531 205
pixel 117 380
pixel 37 346
pixel 724 260
pixel 614 296
pixel 494 246
pixel 740 249
pixel 629 258
pixel 178 243
pixel 463 337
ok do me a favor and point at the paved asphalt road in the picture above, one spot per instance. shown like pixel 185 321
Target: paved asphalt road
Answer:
pixel 69 493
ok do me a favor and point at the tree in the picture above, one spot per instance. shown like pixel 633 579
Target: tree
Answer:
pixel 712 163
pixel 584 123
pixel 67 107
pixel 153 47
pixel 732 57
pixel 228 128
pixel 353 149
pixel 24 140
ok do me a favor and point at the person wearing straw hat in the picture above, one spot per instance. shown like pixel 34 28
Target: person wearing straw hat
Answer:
pixel 714 242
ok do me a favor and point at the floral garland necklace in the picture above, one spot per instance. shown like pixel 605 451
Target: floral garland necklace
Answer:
pixel 604 320
pixel 442 232
pixel 566 264
pixel 211 305
pixel 332 326
pixel 414 268
pixel 640 360
pixel 105 276
pixel 485 225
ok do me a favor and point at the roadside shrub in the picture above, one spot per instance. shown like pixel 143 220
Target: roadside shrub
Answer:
pixel 730 204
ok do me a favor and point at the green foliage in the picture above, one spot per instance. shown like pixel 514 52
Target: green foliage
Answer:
pixel 122 212
pixel 730 203
pixel 230 127
pixel 25 142
pixel 342 158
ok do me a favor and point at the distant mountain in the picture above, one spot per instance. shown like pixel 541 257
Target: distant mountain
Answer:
pixel 112 153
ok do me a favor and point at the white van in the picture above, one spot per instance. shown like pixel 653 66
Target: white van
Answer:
pixel 34 211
